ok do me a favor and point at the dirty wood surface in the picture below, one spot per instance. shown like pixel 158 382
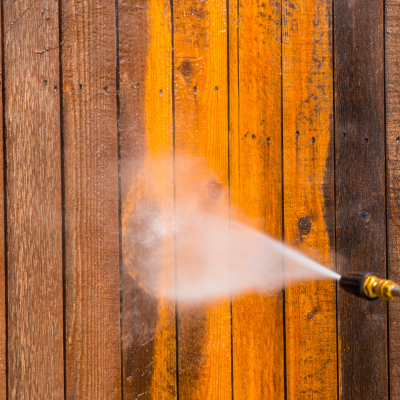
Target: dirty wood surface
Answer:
pixel 360 193
pixel 140 108
pixel 392 81
pixel 146 153
pixel 3 294
pixel 92 284
pixel 255 149
pixel 34 203
pixel 310 308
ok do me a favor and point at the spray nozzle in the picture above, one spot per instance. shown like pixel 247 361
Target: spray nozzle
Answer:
pixel 369 285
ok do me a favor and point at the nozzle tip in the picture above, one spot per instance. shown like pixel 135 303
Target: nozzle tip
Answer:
pixel 353 283
pixel 369 285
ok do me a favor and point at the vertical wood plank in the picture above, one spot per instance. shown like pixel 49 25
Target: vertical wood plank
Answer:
pixel 34 205
pixel 3 294
pixel 309 195
pixel 201 115
pixel 146 150
pixel 392 81
pixel 256 187
pixel 360 193
pixel 93 351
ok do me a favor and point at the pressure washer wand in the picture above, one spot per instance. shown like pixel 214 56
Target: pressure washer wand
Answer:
pixel 369 285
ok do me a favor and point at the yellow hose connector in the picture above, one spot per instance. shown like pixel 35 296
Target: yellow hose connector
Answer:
pixel 382 288
pixel 369 286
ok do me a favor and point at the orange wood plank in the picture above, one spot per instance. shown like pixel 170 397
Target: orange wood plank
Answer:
pixel 34 204
pixel 201 136
pixel 256 188
pixel 308 194
pixel 146 149
pixel 92 282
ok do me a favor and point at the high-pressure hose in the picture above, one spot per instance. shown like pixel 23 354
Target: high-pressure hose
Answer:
pixel 369 285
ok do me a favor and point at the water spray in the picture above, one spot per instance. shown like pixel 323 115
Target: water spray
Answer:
pixel 227 257
pixel 369 285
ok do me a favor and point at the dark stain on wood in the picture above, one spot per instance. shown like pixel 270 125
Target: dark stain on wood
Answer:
pixel 138 306
pixel 304 226
pixel 138 335
pixel 360 186
pixel 392 63
pixel 186 70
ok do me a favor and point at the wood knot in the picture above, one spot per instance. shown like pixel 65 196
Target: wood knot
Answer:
pixel 186 69
pixel 214 189
pixel 304 225
pixel 311 314
pixel 365 215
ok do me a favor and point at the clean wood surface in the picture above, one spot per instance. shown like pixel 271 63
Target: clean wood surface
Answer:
pixel 310 308
pixel 146 151
pixel 360 193
pixel 34 204
pixel 92 284
pixel 256 189
pixel 392 63
pixel 201 143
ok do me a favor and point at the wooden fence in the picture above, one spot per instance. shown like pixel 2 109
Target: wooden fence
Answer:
pixel 294 104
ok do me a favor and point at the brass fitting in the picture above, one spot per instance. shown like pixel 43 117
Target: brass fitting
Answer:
pixel 376 287
pixel 369 286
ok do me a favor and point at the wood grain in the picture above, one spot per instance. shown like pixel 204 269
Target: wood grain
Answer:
pixel 360 193
pixel 392 81
pixel 256 188
pixel 93 349
pixel 3 294
pixel 34 204
pixel 146 148
pixel 201 143
pixel 310 308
